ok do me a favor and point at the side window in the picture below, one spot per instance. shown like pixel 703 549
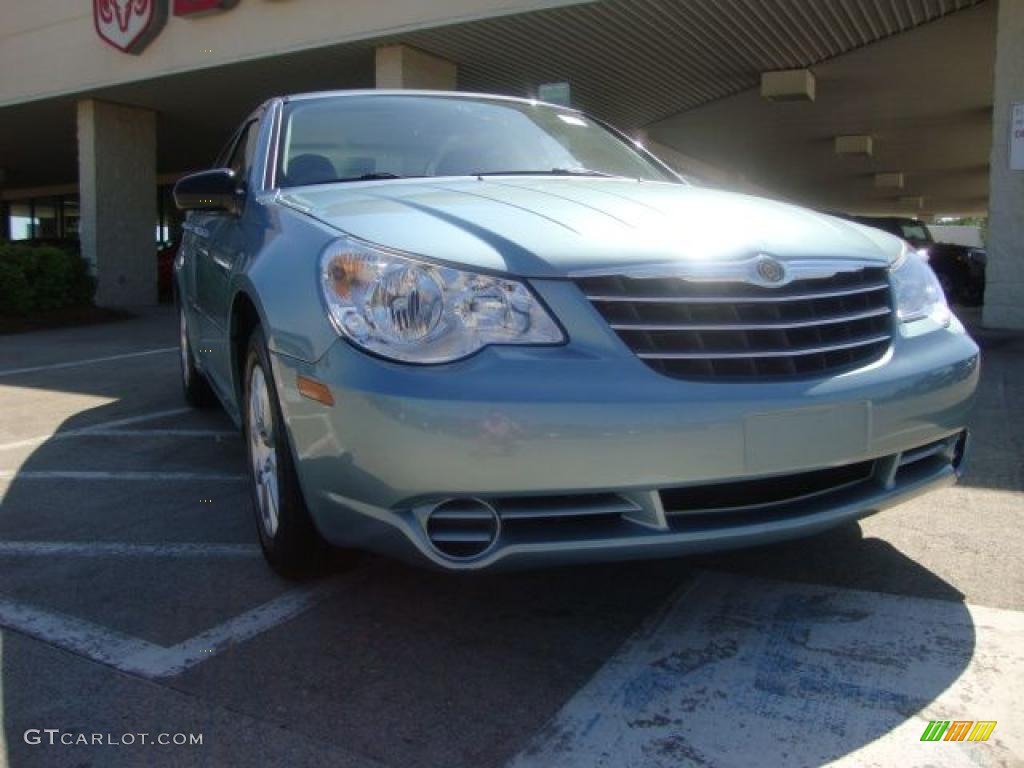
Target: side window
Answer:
pixel 244 150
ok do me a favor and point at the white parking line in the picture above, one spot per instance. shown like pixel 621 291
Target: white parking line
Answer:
pixel 90 361
pixel 176 659
pixel 144 433
pixel 72 634
pixel 744 671
pixel 217 434
pixel 151 660
pixel 95 428
pixel 124 549
pixel 60 474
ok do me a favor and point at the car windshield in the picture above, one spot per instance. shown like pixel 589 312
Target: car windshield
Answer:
pixel 349 138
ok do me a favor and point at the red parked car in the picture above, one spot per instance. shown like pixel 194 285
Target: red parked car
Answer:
pixel 165 271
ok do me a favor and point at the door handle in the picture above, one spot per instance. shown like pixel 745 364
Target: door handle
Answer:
pixel 224 264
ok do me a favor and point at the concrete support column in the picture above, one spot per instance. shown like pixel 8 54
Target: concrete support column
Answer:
pixel 117 186
pixel 1004 289
pixel 400 66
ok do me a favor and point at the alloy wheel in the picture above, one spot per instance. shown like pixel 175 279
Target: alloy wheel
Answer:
pixel 263 451
pixel 183 348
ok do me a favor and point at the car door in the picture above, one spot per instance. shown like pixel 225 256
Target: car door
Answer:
pixel 219 252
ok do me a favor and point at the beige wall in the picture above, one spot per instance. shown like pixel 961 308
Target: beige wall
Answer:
pixel 49 47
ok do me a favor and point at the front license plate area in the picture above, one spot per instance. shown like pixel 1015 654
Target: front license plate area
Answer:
pixel 806 437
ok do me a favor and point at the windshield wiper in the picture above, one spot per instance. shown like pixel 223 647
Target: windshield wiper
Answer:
pixel 381 175
pixel 551 172
pixel 364 177
pixel 374 176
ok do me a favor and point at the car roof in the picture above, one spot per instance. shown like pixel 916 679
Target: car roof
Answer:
pixel 408 92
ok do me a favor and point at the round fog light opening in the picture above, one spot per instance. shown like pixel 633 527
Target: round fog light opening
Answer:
pixel 461 529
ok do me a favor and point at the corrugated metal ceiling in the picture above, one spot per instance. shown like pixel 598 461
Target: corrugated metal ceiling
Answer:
pixel 638 61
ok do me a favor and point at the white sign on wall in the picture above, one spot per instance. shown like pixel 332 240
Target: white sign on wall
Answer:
pixel 1017 137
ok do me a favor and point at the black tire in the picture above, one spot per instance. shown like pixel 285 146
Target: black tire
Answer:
pixel 193 383
pixel 294 548
pixel 948 287
pixel 973 295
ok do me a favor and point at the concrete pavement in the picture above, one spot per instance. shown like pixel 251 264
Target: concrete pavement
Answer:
pixel 133 600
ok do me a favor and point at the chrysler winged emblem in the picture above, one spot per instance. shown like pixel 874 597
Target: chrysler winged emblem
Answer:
pixel 769 271
pixel 129 25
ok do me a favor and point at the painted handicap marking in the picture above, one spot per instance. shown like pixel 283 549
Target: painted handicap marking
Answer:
pixel 855 664
pixel 740 671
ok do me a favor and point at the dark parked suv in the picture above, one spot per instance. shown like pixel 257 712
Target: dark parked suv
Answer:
pixel 960 269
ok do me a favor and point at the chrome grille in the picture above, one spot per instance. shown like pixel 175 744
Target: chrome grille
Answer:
pixel 700 329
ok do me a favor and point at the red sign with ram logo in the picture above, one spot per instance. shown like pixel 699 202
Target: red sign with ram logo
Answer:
pixel 193 7
pixel 129 25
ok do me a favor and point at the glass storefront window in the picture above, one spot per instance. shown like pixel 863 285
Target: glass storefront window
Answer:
pixel 58 218
pixel 46 224
pixel 43 218
pixel 71 217
pixel 168 216
pixel 21 220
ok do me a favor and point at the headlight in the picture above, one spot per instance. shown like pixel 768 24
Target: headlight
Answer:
pixel 410 310
pixel 917 290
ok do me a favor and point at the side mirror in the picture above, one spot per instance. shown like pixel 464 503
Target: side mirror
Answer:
pixel 216 190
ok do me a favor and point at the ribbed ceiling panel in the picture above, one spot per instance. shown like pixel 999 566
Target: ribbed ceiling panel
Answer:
pixel 637 61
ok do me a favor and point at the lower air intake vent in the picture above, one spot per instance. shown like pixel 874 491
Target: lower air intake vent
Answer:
pixel 745 495
pixel 949 450
pixel 462 528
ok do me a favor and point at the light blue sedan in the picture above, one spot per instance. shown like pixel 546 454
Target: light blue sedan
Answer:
pixel 477 332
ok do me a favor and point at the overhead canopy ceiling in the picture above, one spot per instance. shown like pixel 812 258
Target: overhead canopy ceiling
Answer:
pixel 639 63
pixel 925 98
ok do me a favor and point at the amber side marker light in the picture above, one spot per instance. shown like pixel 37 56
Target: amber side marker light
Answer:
pixel 314 390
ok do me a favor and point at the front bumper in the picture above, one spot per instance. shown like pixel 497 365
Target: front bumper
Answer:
pixel 588 419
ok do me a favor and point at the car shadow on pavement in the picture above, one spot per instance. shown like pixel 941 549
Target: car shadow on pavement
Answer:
pixel 401 665
pixel 842 557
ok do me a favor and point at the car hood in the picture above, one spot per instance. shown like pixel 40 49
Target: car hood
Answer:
pixel 554 227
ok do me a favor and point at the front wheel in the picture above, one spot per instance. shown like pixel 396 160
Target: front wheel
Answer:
pixel 288 537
